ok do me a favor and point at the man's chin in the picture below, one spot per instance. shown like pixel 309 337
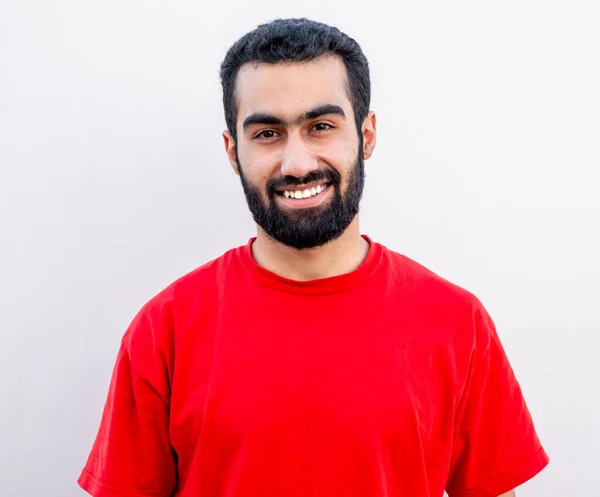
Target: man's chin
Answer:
pixel 301 243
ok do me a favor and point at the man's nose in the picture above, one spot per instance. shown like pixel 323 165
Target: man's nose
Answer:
pixel 297 159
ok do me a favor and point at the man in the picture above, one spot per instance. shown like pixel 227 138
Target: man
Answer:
pixel 312 361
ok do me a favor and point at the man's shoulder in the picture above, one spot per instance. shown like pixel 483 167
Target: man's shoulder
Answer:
pixel 209 275
pixel 436 299
pixel 211 272
pixel 425 284
pixel 194 289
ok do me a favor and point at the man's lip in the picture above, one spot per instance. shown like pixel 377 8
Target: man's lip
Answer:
pixel 305 203
pixel 301 188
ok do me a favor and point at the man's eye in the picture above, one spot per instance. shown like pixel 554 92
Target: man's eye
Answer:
pixel 322 127
pixel 266 134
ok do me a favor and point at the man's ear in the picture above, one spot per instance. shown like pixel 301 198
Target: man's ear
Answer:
pixel 229 143
pixel 369 132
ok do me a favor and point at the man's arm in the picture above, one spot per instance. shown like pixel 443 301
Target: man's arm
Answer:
pixel 509 494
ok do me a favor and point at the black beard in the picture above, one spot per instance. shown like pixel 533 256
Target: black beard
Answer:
pixel 313 226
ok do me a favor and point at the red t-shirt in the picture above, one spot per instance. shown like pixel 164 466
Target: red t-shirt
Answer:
pixel 387 381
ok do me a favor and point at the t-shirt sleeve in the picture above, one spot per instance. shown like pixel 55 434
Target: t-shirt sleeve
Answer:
pixel 496 447
pixel 131 455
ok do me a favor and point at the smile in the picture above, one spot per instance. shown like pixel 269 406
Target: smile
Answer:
pixel 306 193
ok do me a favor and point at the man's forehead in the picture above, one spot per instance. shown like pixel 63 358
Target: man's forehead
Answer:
pixel 291 88
pixel 324 66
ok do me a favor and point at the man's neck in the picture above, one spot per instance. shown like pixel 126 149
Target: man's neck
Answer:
pixel 341 256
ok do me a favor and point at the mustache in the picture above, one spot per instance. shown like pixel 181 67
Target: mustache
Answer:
pixel 329 175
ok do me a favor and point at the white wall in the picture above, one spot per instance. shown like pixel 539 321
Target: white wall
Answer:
pixel 113 182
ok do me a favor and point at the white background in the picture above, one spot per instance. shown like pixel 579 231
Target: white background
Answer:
pixel 113 183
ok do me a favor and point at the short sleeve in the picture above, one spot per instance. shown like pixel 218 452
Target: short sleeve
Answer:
pixel 131 455
pixel 496 447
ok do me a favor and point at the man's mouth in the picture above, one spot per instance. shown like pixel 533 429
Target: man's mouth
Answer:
pixel 306 192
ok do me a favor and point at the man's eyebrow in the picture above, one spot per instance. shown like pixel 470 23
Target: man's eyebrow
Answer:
pixel 262 118
pixel 323 110
pixel 271 120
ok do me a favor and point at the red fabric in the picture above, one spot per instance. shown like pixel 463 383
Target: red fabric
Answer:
pixel 388 381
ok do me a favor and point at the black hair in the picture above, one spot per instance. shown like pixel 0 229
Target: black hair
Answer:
pixel 296 40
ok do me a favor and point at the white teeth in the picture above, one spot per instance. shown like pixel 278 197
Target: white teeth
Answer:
pixel 304 193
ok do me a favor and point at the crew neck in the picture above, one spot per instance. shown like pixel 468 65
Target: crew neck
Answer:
pixel 321 286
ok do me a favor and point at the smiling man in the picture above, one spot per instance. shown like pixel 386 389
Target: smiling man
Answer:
pixel 311 361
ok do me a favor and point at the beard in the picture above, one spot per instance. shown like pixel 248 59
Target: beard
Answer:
pixel 309 227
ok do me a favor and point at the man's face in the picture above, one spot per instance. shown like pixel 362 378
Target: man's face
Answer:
pixel 298 152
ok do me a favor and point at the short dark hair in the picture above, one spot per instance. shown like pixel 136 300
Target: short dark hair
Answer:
pixel 296 40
